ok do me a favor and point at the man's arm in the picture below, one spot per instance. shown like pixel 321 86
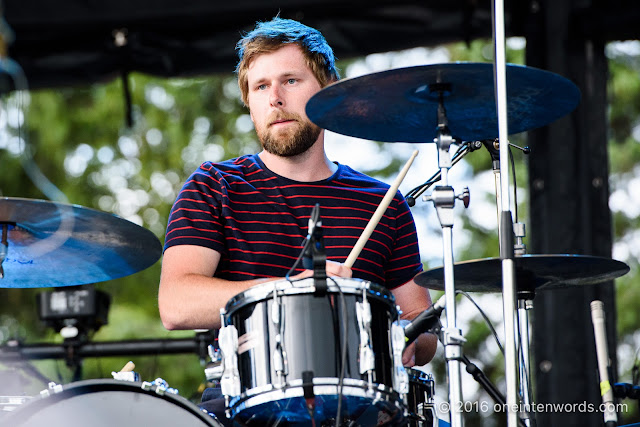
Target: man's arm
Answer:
pixel 413 300
pixel 191 298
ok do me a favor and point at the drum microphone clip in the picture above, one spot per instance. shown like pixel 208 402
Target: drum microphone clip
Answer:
pixel 425 321
pixel 315 257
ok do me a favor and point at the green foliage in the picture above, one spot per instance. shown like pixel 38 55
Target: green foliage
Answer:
pixel 79 139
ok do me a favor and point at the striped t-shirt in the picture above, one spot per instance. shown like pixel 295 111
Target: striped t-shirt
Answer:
pixel 258 221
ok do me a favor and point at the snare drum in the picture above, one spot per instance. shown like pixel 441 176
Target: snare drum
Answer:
pixel 108 403
pixel 420 399
pixel 288 344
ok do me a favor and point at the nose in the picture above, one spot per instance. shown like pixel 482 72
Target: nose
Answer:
pixel 275 96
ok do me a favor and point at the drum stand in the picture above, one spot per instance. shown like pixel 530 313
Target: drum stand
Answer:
pixel 443 198
pixel 524 301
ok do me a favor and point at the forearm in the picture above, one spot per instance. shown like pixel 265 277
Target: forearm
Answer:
pixel 194 301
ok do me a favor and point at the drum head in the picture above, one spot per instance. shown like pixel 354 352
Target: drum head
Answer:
pixel 108 403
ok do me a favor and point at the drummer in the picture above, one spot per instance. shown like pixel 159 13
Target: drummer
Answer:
pixel 243 221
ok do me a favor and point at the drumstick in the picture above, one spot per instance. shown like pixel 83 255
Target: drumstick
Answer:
pixel 375 218
pixel 129 367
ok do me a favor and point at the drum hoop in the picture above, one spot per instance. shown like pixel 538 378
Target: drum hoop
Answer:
pixel 321 387
pixel 105 385
pixel 418 375
pixel 264 291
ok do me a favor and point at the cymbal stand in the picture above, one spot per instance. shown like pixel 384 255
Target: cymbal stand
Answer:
pixel 506 220
pixel 524 299
pixel 443 198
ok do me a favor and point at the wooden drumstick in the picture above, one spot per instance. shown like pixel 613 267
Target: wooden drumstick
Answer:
pixel 129 367
pixel 373 222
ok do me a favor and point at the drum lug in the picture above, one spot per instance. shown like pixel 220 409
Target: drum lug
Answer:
pixel 367 358
pixel 228 342
pixel 400 376
pixel 159 386
pixel 52 388
pixel 279 359
pixel 215 371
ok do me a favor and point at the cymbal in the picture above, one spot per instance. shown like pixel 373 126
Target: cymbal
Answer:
pixel 400 105
pixel 533 273
pixel 55 244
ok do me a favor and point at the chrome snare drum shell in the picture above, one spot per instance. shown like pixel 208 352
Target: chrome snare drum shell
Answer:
pixel 287 334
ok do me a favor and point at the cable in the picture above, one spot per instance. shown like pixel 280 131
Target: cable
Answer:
pixel 458 155
pixel 493 331
pixel 515 185
pixel 343 349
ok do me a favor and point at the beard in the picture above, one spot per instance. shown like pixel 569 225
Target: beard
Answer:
pixel 289 142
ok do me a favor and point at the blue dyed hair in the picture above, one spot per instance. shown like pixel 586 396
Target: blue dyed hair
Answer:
pixel 271 35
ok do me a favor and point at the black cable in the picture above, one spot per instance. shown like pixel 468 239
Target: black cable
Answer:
pixel 295 264
pixel 493 331
pixel 415 192
pixel 515 185
pixel 343 349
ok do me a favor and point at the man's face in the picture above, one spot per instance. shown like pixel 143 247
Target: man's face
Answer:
pixel 280 84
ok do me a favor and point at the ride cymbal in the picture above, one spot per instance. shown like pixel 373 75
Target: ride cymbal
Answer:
pixel 401 105
pixel 51 244
pixel 533 273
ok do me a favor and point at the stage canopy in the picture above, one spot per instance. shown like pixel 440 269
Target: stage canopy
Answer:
pixel 71 42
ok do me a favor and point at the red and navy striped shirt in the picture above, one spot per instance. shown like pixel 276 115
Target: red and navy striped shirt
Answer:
pixel 258 221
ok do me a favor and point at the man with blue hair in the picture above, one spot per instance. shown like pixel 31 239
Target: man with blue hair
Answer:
pixel 243 222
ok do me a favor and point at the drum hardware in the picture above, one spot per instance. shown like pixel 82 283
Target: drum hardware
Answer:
pixel 127 373
pixel 316 381
pixel 314 255
pixel 279 356
pixel 367 359
pixel 228 343
pixel 215 368
pixel 419 399
pixel 398 344
pixel 443 198
pixel 464 149
pixel 159 387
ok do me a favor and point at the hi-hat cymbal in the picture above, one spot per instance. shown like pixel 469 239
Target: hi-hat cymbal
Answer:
pixel 533 273
pixel 54 244
pixel 401 105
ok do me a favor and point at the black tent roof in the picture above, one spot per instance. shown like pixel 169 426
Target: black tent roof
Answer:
pixel 69 42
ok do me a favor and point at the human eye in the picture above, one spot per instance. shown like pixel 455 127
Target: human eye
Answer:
pixel 292 81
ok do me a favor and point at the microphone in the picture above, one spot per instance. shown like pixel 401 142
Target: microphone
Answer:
pixel 602 354
pixel 312 236
pixel 314 256
pixel 424 321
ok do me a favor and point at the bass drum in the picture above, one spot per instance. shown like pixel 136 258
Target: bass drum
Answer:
pixel 108 403
pixel 285 324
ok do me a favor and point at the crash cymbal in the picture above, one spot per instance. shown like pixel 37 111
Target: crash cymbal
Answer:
pixel 533 273
pixel 401 105
pixel 54 244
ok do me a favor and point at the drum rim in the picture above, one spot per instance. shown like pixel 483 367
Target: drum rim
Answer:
pixel 350 286
pixel 417 374
pixel 321 387
pixel 76 388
